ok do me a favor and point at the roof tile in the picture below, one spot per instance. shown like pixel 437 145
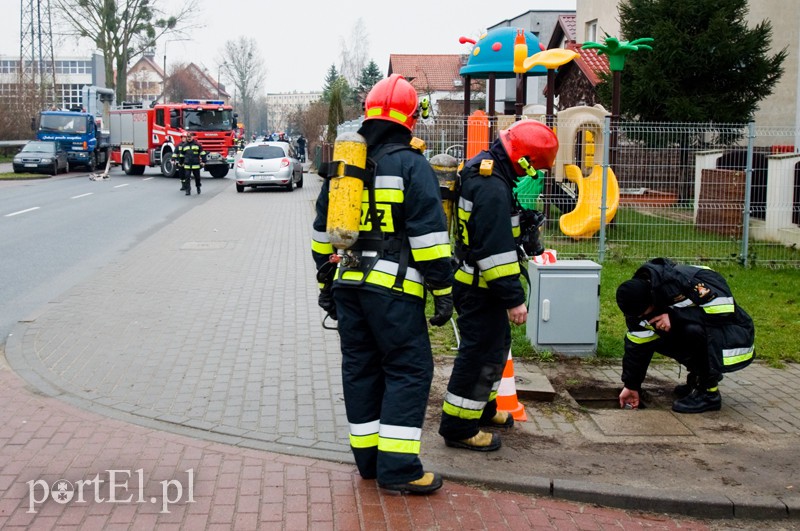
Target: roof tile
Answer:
pixel 428 72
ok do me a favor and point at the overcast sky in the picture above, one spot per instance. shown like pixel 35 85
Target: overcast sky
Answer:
pixel 300 39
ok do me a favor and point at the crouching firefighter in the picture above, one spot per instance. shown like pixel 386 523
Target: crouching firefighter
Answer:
pixel 377 290
pixel 487 289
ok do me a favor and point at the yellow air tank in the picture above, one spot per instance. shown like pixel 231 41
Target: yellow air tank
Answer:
pixel 344 195
pixel 445 167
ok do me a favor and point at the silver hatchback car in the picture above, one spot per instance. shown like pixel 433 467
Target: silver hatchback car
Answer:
pixel 268 164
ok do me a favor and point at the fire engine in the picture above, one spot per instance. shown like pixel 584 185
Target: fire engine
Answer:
pixel 147 137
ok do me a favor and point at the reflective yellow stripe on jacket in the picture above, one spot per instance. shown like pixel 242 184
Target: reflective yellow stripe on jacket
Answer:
pixel 733 356
pixel 321 243
pixel 384 274
pixel 430 246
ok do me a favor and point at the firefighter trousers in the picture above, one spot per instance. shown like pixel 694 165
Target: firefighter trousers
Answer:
pixel 387 368
pixel 186 179
pixel 688 343
pixel 478 368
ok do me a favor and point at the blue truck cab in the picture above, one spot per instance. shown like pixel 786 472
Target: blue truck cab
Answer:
pixel 78 133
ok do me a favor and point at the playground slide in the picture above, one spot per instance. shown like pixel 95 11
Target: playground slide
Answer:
pixel 584 221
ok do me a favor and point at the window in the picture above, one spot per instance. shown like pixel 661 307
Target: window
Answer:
pixel 591 31
pixel 263 152
pixel 159 116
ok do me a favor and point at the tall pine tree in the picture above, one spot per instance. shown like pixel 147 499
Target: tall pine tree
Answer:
pixel 330 81
pixel 370 75
pixel 706 63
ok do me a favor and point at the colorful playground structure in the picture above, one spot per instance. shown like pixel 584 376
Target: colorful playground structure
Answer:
pixel 579 161
pixel 503 53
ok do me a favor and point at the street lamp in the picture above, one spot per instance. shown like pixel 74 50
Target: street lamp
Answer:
pixel 164 81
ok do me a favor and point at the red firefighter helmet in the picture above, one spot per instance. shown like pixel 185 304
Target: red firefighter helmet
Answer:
pixel 532 140
pixel 392 99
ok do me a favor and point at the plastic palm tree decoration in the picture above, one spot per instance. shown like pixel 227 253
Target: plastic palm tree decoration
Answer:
pixel 617 50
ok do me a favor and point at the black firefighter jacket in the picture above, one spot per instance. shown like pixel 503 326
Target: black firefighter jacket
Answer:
pixel 409 219
pixel 695 294
pixel 488 230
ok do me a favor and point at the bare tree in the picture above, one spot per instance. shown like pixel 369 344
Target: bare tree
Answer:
pixel 121 29
pixel 311 122
pixel 355 53
pixel 244 65
pixel 18 111
pixel 183 83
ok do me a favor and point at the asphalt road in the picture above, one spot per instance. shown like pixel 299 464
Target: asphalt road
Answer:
pixel 57 232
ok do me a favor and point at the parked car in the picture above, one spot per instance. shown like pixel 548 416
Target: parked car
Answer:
pixel 268 164
pixel 41 155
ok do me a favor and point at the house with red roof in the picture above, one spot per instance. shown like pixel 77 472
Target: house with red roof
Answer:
pixel 436 76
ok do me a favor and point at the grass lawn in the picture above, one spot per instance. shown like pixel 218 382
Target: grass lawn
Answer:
pixel 770 296
pixel 11 176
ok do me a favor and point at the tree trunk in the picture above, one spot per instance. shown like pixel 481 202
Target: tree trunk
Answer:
pixel 122 79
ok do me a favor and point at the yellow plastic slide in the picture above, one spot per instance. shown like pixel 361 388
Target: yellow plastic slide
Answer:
pixel 584 221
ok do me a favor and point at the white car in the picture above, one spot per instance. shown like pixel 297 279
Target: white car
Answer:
pixel 268 164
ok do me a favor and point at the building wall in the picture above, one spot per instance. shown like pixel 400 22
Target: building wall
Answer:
pixel 782 108
pixel 279 106
pixel 71 74
pixel 606 14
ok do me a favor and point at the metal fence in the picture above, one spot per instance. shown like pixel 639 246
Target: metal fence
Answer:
pixel 699 192
pixel 694 192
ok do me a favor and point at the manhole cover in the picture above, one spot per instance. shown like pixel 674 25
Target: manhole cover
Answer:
pixel 203 246
pixel 605 398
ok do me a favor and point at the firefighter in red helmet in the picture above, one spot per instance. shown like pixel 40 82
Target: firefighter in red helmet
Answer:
pixel 402 253
pixel 487 289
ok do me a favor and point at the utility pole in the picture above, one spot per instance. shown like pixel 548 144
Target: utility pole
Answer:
pixel 37 69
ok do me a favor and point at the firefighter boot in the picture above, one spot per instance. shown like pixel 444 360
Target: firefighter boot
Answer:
pixel 481 442
pixel 429 482
pixel 188 189
pixel 683 390
pixel 501 419
pixel 699 401
pixel 198 189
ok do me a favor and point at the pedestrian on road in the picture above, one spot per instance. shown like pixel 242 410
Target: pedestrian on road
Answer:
pixel 402 250
pixel 190 158
pixel 487 289
pixel 301 148
pixel 687 313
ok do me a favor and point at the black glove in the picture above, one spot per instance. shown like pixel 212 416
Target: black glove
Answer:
pixel 326 302
pixel 442 306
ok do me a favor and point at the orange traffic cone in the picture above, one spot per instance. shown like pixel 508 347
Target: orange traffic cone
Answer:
pixel 507 393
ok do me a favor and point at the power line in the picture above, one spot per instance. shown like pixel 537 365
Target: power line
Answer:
pixel 37 71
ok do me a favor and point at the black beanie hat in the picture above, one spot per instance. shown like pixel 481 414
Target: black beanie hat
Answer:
pixel 633 297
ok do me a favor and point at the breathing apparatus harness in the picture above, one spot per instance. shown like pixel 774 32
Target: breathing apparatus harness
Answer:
pixel 530 223
pixel 371 245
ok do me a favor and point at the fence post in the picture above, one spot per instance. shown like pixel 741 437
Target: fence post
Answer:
pixel 748 179
pixel 601 251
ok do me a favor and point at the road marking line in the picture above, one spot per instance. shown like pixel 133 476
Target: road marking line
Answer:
pixel 147 178
pixel 22 211
pixel 120 185
pixel 79 196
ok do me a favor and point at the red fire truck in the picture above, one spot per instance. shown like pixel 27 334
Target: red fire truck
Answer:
pixel 147 137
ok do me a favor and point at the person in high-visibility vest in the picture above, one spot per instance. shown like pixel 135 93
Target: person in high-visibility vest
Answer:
pixel 487 289
pixel 687 313
pixel 377 292
pixel 190 158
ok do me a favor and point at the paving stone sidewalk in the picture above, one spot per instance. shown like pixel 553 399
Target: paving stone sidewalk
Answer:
pixel 209 329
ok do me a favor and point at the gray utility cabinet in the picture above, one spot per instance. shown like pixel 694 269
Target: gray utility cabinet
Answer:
pixel 564 307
